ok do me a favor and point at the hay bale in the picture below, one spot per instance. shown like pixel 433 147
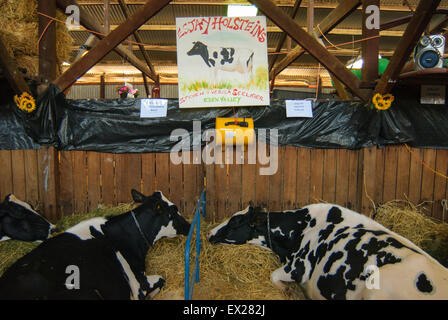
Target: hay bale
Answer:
pixel 409 221
pixel 19 33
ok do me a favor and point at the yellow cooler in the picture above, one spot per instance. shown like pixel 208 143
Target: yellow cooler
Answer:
pixel 235 131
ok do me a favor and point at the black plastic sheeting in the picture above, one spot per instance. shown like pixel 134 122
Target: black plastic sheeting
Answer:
pixel 115 125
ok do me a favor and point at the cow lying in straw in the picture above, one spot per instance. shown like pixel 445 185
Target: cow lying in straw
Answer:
pixel 100 258
pixel 336 253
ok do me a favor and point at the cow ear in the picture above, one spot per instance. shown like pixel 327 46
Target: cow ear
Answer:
pixel 138 196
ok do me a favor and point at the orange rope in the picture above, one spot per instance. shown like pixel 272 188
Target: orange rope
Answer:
pixel 423 163
pixel 43 32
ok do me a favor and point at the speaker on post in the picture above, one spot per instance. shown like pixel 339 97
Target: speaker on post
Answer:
pixel 429 52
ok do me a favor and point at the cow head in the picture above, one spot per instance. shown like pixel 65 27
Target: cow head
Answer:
pixel 19 221
pixel 246 226
pixel 159 217
pixel 198 49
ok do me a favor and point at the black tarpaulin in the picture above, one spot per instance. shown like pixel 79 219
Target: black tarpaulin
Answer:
pixel 115 125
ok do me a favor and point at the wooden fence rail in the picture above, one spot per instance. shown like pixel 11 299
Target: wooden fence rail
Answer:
pixel 72 182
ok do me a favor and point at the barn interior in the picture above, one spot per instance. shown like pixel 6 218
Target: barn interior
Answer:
pixel 73 148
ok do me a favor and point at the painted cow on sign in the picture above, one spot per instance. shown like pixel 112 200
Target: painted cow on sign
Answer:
pixel 227 59
pixel 19 221
pixel 100 258
pixel 336 253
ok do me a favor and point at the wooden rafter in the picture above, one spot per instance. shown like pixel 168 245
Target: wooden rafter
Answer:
pixel 47 44
pixel 312 46
pixel 282 39
pixel 107 44
pixel 345 8
pixel 90 23
pixel 137 37
pixel 414 30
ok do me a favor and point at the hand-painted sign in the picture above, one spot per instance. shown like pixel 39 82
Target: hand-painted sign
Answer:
pixel 222 62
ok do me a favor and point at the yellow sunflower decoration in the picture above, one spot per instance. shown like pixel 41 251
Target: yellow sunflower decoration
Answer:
pixel 26 102
pixel 383 102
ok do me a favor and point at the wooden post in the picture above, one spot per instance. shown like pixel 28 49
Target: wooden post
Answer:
pixel 370 48
pixel 145 82
pixel 107 16
pixel 103 86
pixel 310 16
pixel 47 45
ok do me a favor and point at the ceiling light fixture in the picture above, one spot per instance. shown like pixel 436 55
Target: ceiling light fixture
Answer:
pixel 238 10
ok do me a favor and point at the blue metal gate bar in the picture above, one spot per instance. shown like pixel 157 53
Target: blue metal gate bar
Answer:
pixel 196 222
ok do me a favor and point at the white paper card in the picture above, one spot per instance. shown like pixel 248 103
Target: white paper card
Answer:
pixel 153 108
pixel 299 109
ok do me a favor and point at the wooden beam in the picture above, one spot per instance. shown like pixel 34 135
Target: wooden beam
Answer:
pixel 310 16
pixel 395 22
pixel 414 30
pixel 47 43
pixel 107 16
pixel 345 8
pixel 306 41
pixel 370 48
pixel 284 36
pixel 11 73
pixel 90 23
pixel 106 45
pixel 145 82
pixel 138 39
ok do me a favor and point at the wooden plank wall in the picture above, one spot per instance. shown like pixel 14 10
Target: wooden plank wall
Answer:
pixel 72 182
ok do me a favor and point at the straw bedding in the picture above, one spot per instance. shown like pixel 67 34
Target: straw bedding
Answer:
pixel 241 272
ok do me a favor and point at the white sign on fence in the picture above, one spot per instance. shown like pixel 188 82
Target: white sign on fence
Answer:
pixel 299 109
pixel 222 61
pixel 153 108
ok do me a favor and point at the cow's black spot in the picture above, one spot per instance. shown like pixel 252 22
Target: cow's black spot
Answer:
pixel 324 233
pixel 298 271
pixel 397 244
pixel 212 61
pixel 333 286
pixel 423 284
pixel 359 226
pixel 337 239
pixel 338 232
pixel 215 54
pixel 304 251
pixel 335 215
pixel 321 251
pixel 374 246
pixel 383 258
pixel 355 259
pixel 313 222
pixel 333 257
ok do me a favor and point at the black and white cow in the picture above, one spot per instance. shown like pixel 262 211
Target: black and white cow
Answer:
pixel 107 255
pixel 336 253
pixel 19 221
pixel 227 59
